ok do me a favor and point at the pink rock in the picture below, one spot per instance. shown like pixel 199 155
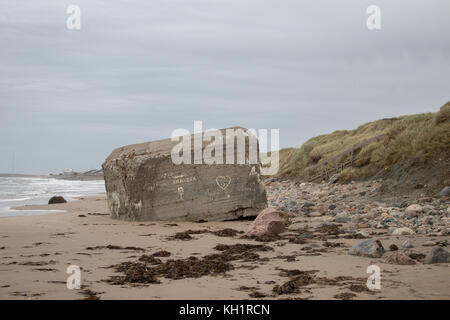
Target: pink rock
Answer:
pixel 268 222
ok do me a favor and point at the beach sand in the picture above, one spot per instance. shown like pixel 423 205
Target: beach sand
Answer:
pixel 36 250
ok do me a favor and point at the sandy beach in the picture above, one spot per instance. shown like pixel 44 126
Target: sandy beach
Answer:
pixel 36 250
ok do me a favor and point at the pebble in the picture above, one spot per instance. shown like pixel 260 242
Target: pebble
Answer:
pixel 371 248
pixel 445 192
pixel 429 243
pixel 399 258
pixel 437 255
pixel 402 231
pixel 315 214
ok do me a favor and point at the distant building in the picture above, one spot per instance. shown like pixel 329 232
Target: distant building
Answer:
pixel 69 171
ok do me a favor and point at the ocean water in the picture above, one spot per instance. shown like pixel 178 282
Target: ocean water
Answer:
pixel 21 191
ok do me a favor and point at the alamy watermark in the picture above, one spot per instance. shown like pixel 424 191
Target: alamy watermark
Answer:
pixel 239 145
pixel 374 280
pixel 73 22
pixel 74 280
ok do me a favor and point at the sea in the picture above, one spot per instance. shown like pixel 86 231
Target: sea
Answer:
pixel 19 191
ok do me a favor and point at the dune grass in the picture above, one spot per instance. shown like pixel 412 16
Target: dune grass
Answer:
pixel 404 137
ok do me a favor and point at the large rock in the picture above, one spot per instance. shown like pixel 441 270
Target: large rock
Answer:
pixel 56 199
pixel 437 255
pixel 268 222
pixel 143 182
pixel 371 248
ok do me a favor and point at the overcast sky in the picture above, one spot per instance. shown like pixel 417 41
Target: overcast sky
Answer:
pixel 139 69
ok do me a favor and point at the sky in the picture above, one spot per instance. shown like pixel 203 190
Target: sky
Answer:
pixel 137 70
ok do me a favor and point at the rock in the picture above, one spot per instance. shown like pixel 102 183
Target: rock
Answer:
pixel 292 203
pixel 429 243
pixel 342 220
pixel 325 224
pixel 427 209
pixel 399 258
pixel 391 229
pixel 315 214
pixel 426 220
pixel 372 214
pixel 445 192
pixel 365 234
pixel 343 214
pixel 144 183
pixel 268 222
pixel 306 235
pixel 307 205
pixel 334 178
pixel 407 244
pixel 322 209
pixel 402 231
pixel 56 199
pixel 393 247
pixel 332 207
pixel 413 210
pixel 371 248
pixel 437 255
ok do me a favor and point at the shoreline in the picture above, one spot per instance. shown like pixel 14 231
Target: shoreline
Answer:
pixel 78 177
pixel 43 209
pixel 36 251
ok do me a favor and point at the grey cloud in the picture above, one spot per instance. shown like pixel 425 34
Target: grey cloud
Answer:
pixel 139 69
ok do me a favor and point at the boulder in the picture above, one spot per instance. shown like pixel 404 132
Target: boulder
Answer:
pixel 399 258
pixel 413 210
pixel 437 255
pixel 371 248
pixel 56 199
pixel 268 222
pixel 315 214
pixel 144 182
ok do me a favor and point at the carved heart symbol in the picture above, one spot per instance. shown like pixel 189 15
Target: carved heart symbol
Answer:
pixel 223 182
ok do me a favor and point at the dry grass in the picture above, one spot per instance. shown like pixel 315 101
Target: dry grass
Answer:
pixel 405 137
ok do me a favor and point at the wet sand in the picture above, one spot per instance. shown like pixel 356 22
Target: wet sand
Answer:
pixel 36 250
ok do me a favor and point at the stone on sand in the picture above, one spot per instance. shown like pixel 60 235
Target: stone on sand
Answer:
pixel 56 199
pixel 314 214
pixel 399 258
pixel 269 222
pixel 371 248
pixel 445 192
pixel 407 244
pixel 402 231
pixel 437 255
